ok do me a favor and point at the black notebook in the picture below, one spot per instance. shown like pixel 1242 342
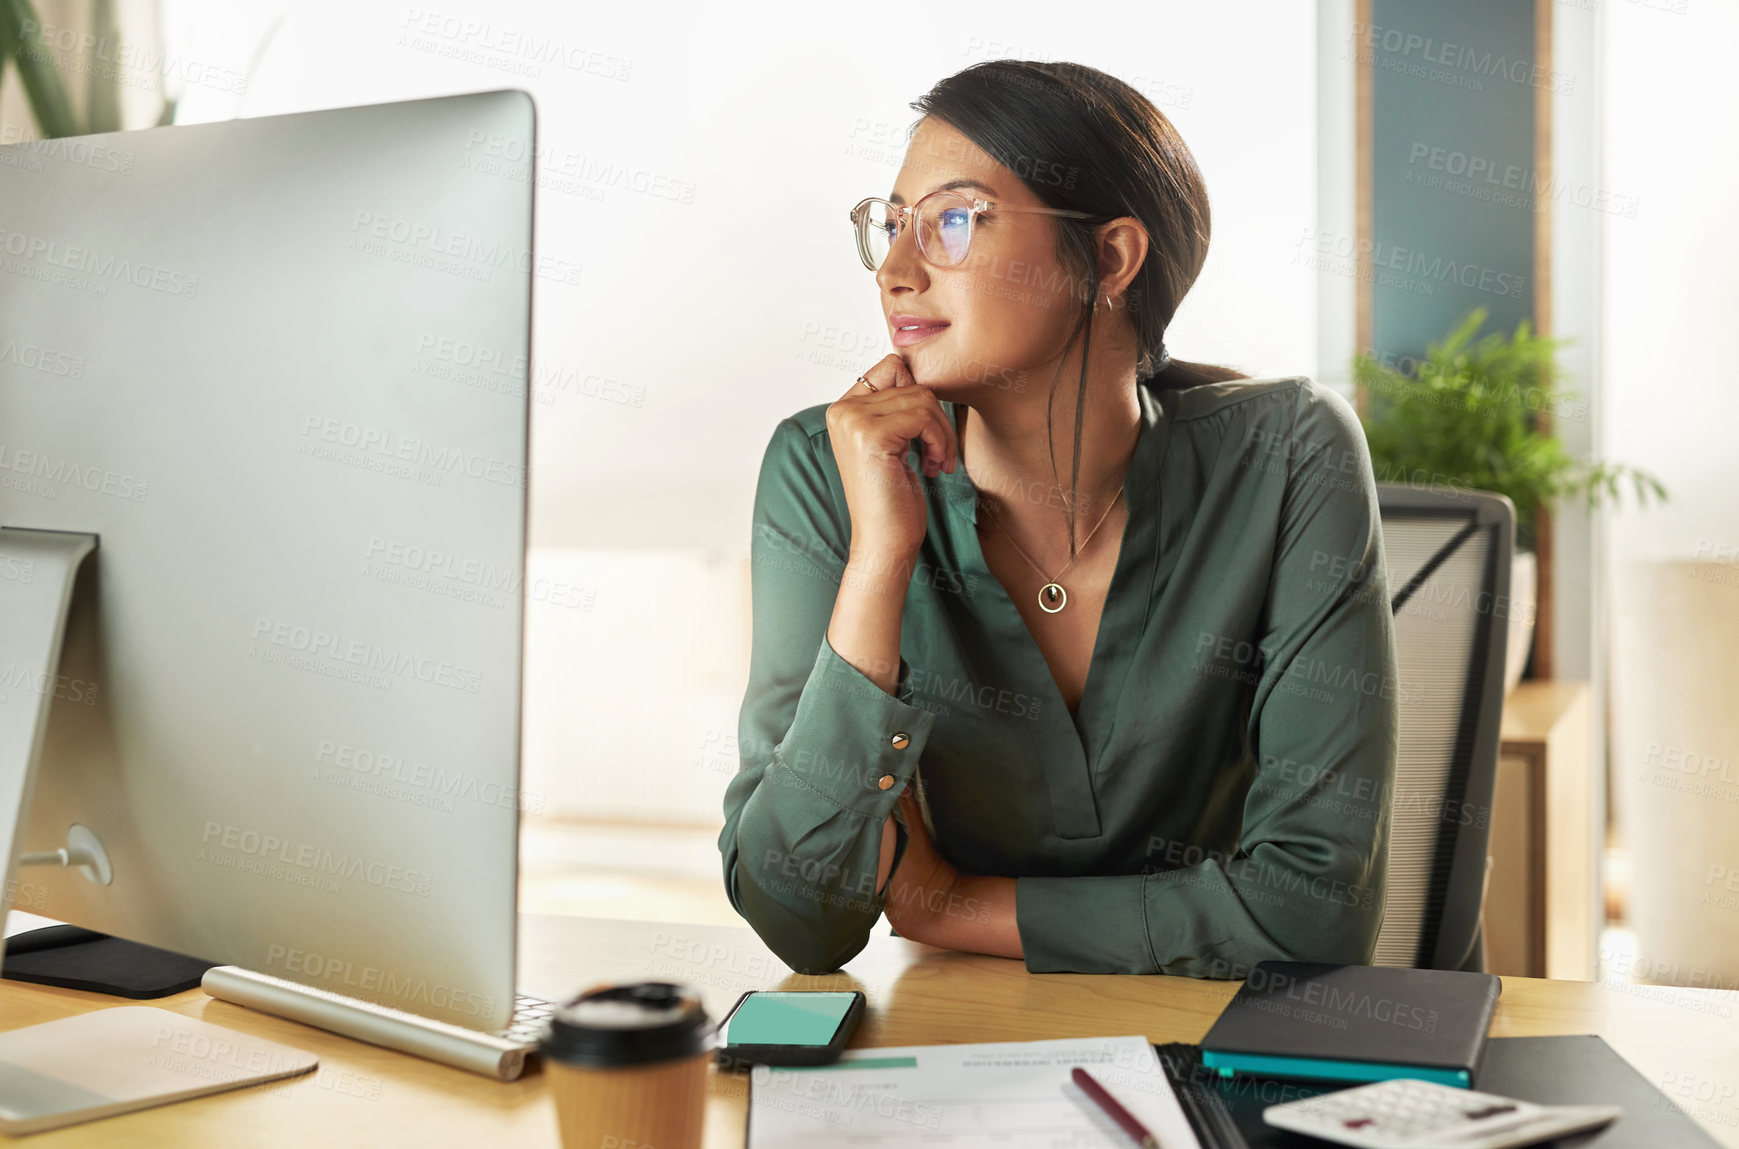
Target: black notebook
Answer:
pixel 1226 1113
pixel 1354 1023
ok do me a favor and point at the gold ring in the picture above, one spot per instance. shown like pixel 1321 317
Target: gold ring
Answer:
pixel 867 383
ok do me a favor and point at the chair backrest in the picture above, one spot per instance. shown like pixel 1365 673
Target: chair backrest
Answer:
pixel 1448 564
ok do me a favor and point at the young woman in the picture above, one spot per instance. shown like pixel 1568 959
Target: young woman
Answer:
pixel 1139 720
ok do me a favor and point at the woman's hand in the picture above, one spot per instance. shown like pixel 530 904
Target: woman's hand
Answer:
pixel 871 433
pixel 930 901
pixel 920 888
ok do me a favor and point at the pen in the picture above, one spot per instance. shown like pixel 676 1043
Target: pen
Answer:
pixel 1117 1113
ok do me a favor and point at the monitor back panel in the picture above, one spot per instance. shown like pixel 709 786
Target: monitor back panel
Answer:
pixel 279 367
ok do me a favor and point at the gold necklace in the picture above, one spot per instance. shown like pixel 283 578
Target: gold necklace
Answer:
pixel 1052 591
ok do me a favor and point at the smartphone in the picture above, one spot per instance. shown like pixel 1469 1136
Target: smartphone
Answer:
pixel 783 1027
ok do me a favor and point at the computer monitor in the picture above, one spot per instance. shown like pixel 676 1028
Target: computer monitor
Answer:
pixel 278 369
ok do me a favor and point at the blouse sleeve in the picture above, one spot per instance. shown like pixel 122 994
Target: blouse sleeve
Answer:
pixel 824 751
pixel 1306 880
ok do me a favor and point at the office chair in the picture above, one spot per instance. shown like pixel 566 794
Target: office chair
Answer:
pixel 1448 564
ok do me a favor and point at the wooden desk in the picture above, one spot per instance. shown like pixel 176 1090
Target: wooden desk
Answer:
pixel 917 995
pixel 1541 912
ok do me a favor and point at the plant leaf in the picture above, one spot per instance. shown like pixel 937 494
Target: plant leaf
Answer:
pixel 103 80
pixel 42 84
pixel 1471 418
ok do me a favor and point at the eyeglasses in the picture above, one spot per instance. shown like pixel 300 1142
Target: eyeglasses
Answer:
pixel 945 220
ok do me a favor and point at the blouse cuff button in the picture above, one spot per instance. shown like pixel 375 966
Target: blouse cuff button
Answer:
pixel 901 740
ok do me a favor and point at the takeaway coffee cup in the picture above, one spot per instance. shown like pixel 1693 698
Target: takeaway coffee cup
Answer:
pixel 627 1064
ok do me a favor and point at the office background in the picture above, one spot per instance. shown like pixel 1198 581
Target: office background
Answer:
pixel 698 162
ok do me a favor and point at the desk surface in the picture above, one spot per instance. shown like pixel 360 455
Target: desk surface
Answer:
pixel 363 1095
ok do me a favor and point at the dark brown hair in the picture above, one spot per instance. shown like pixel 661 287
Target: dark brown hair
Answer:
pixel 1082 139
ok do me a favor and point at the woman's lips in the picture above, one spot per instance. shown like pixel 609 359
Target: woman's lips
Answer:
pixel 905 338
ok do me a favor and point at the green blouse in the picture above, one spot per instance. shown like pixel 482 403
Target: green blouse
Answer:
pixel 1220 797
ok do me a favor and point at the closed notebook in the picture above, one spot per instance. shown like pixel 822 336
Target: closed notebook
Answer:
pixel 1322 1022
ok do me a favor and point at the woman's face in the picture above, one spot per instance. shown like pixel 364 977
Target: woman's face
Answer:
pixel 1008 306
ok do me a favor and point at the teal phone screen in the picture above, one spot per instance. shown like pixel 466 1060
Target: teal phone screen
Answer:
pixel 787 1018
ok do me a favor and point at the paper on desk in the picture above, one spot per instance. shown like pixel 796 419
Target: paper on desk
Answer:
pixel 1012 1095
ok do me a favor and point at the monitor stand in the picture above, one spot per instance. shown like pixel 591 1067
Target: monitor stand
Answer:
pixel 126 1045
pixel 37 571
pixel 33 613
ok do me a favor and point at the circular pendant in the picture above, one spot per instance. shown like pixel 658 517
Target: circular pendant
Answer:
pixel 1052 593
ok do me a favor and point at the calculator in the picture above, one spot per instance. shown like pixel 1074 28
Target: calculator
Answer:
pixel 1405 1113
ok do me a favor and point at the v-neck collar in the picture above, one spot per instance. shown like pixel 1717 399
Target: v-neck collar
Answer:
pixel 960 493
pixel 1079 739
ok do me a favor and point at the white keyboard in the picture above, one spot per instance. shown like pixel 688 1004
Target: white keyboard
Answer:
pixel 530 1016
pixel 1411 1114
pixel 500 1054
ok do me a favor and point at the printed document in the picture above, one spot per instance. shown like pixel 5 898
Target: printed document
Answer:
pixel 1011 1095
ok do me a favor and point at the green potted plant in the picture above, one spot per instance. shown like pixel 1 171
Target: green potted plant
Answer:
pixel 1470 416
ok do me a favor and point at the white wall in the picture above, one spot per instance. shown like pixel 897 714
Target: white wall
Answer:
pixel 722 299
pixel 1671 290
pixel 1672 406
pixel 1579 590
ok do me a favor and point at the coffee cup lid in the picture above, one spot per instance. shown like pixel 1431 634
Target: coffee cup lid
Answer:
pixel 628 1024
